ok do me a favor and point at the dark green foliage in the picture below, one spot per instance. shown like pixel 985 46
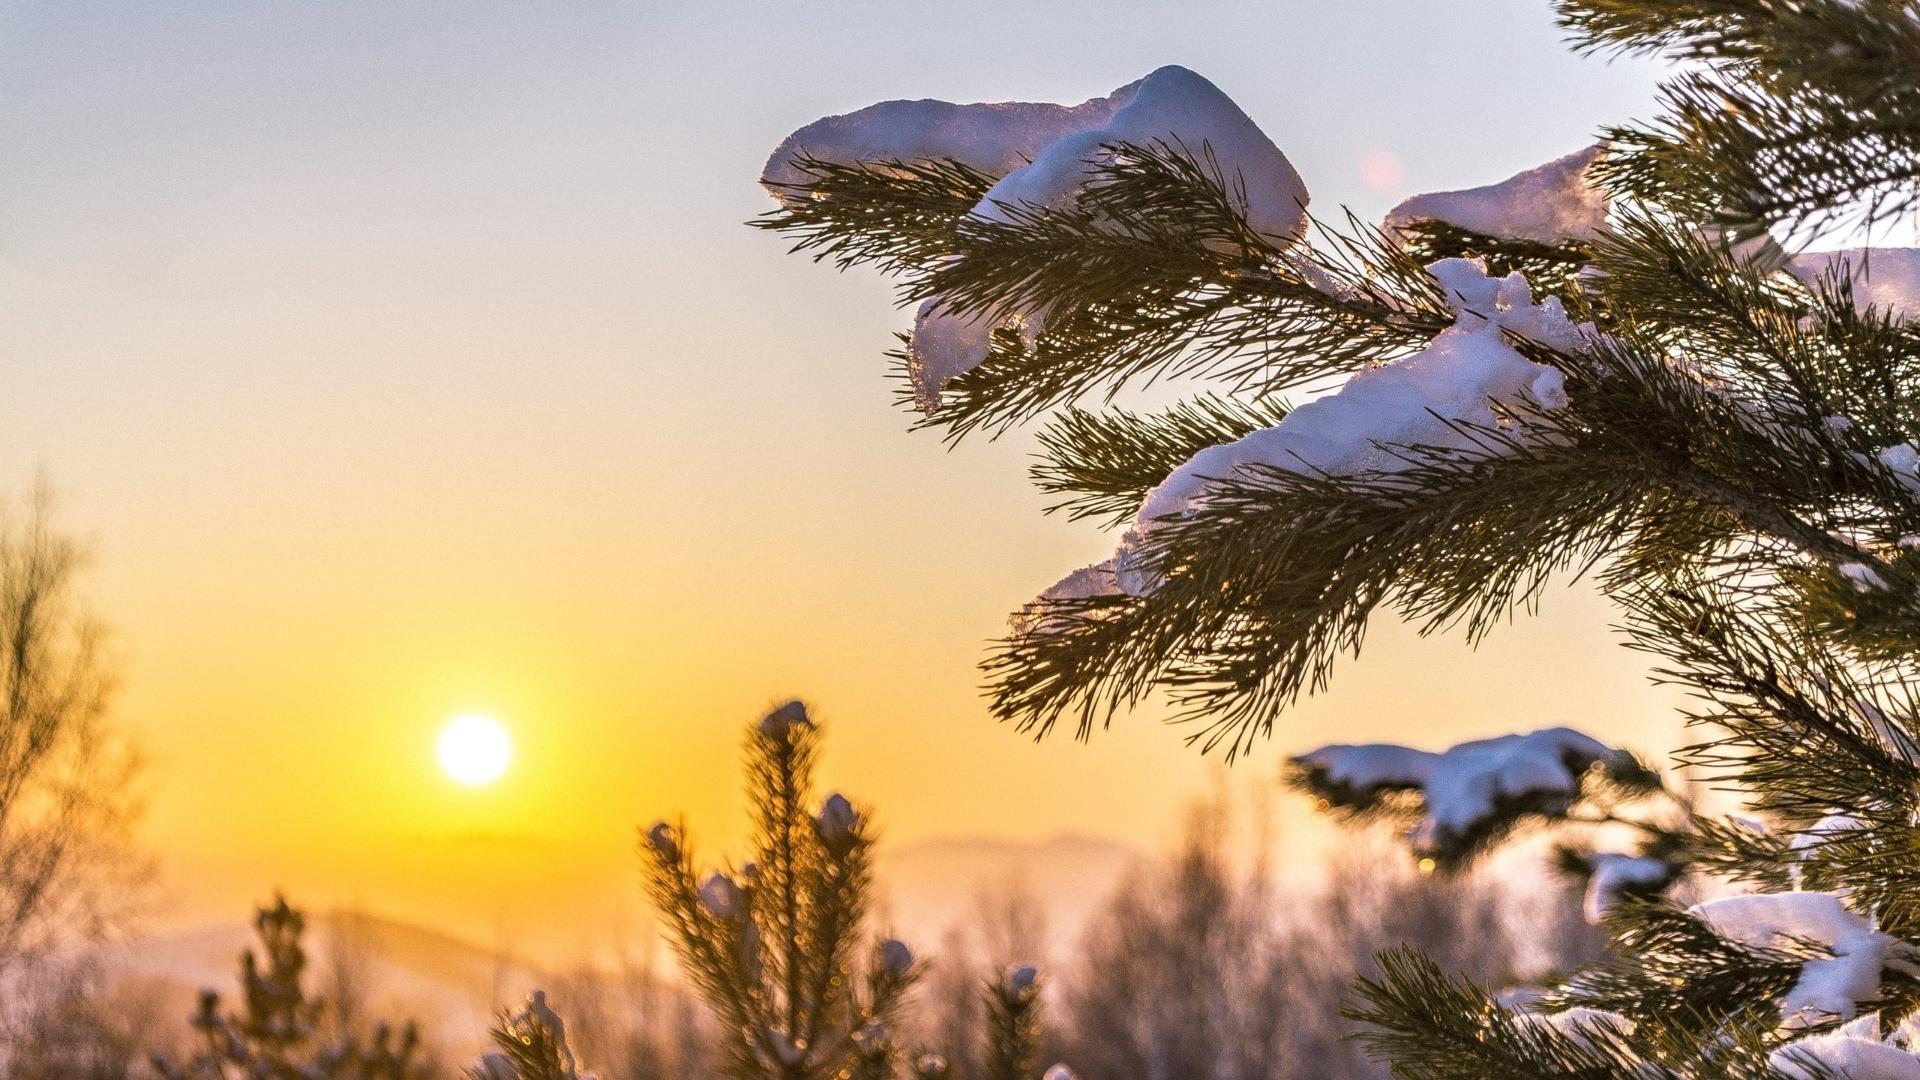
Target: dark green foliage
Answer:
pixel 1672 971
pixel 276 1034
pixel 1553 269
pixel 1435 1027
pixel 899 216
pixel 1105 462
pixel 1157 275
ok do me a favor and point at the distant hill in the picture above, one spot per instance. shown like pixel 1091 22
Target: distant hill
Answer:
pixel 401 971
pixel 454 988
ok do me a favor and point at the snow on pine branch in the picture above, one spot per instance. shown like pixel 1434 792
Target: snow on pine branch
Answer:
pixel 1466 790
pixel 1588 1027
pixel 1551 204
pixel 1466 378
pixel 1855 1051
pixel 1615 874
pixel 1045 156
pixel 1830 987
pixel 991 137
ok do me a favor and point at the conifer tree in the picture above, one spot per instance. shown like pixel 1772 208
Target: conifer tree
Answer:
pixel 275 1035
pixel 1635 363
pixel 772 944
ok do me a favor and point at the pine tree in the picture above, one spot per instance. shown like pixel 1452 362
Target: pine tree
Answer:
pixel 276 1034
pixel 1628 364
pixel 771 945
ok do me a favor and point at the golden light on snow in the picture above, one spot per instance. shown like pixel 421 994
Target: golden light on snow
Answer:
pixel 475 750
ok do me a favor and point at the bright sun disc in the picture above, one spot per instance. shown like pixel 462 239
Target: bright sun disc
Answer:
pixel 475 750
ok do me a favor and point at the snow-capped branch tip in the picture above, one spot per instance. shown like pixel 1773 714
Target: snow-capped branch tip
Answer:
pixel 837 824
pixel 1020 983
pixel 664 839
pixel 781 723
pixel 536 1030
pixel 896 959
pixel 722 897
pixel 1045 154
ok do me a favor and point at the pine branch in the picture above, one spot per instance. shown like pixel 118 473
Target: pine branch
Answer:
pixel 899 216
pixel 1106 462
pixel 1671 972
pixel 1797 725
pixel 1275 577
pixel 1154 303
pixel 1154 274
pixel 1433 1027
pixel 1012 1008
pixel 1552 269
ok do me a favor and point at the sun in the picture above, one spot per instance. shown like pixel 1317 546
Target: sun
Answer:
pixel 474 749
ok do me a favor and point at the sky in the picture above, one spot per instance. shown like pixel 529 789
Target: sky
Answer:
pixel 400 361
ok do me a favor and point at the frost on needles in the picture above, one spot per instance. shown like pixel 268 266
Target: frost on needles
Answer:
pixel 1663 362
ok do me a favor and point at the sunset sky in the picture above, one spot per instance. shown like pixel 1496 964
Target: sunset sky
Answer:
pixel 410 360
